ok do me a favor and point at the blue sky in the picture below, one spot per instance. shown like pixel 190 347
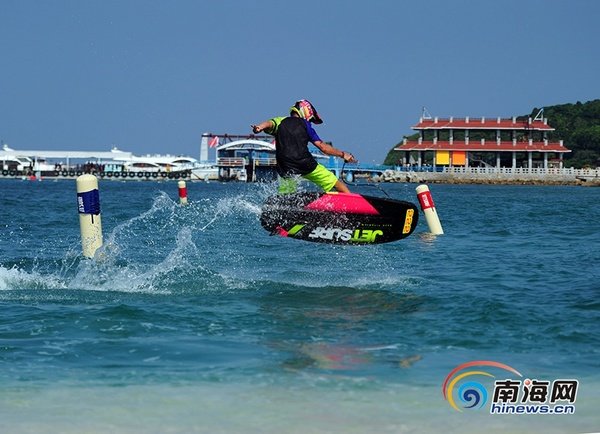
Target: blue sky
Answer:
pixel 152 76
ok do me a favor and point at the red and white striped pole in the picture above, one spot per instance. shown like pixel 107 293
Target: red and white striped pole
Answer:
pixel 428 208
pixel 182 193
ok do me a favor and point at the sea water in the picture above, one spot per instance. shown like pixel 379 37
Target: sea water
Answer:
pixel 192 319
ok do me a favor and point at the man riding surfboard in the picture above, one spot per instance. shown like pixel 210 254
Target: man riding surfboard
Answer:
pixel 292 135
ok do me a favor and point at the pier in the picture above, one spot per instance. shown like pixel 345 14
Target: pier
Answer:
pixel 492 175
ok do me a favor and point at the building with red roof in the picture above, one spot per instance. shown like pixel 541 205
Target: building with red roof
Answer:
pixel 472 142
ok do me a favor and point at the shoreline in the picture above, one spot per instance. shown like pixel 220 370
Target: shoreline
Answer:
pixel 393 176
pixel 486 179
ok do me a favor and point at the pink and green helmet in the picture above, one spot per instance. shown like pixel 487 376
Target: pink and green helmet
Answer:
pixel 307 111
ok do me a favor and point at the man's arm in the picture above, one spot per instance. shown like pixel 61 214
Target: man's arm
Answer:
pixel 330 150
pixel 266 125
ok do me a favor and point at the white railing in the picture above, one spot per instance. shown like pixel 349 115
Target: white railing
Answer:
pixel 568 171
pixel 240 162
pixel 265 161
pixel 231 162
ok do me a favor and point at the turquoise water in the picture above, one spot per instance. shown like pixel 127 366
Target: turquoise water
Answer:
pixel 193 320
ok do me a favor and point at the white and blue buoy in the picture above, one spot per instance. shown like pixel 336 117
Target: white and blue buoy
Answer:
pixel 90 222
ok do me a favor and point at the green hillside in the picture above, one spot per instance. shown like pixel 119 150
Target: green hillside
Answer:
pixel 578 125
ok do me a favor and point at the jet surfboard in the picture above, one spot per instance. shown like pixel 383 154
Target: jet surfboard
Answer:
pixel 338 218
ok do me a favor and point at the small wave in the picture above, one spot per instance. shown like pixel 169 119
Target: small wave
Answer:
pixel 14 278
pixel 170 248
pixel 154 252
pixel 110 271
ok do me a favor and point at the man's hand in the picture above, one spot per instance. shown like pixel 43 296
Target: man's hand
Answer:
pixel 348 158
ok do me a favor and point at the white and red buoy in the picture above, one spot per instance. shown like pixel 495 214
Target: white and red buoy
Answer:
pixel 182 193
pixel 428 207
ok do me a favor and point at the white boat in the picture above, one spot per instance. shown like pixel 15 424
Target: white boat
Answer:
pixel 23 163
pixel 241 175
pixel 205 172
pixel 16 162
pixel 157 163
pixel 171 164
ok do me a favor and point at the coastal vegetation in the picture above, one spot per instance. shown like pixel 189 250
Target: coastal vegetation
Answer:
pixel 577 125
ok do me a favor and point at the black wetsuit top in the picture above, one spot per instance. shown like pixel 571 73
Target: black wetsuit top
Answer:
pixel 293 156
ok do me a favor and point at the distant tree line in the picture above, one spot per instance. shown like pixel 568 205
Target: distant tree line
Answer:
pixel 577 125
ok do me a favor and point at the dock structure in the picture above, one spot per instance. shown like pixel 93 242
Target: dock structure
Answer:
pixel 251 157
pixel 248 158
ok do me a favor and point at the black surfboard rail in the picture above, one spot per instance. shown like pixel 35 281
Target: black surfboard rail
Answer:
pixel 339 218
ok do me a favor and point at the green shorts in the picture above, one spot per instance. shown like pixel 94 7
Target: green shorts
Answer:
pixel 320 176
